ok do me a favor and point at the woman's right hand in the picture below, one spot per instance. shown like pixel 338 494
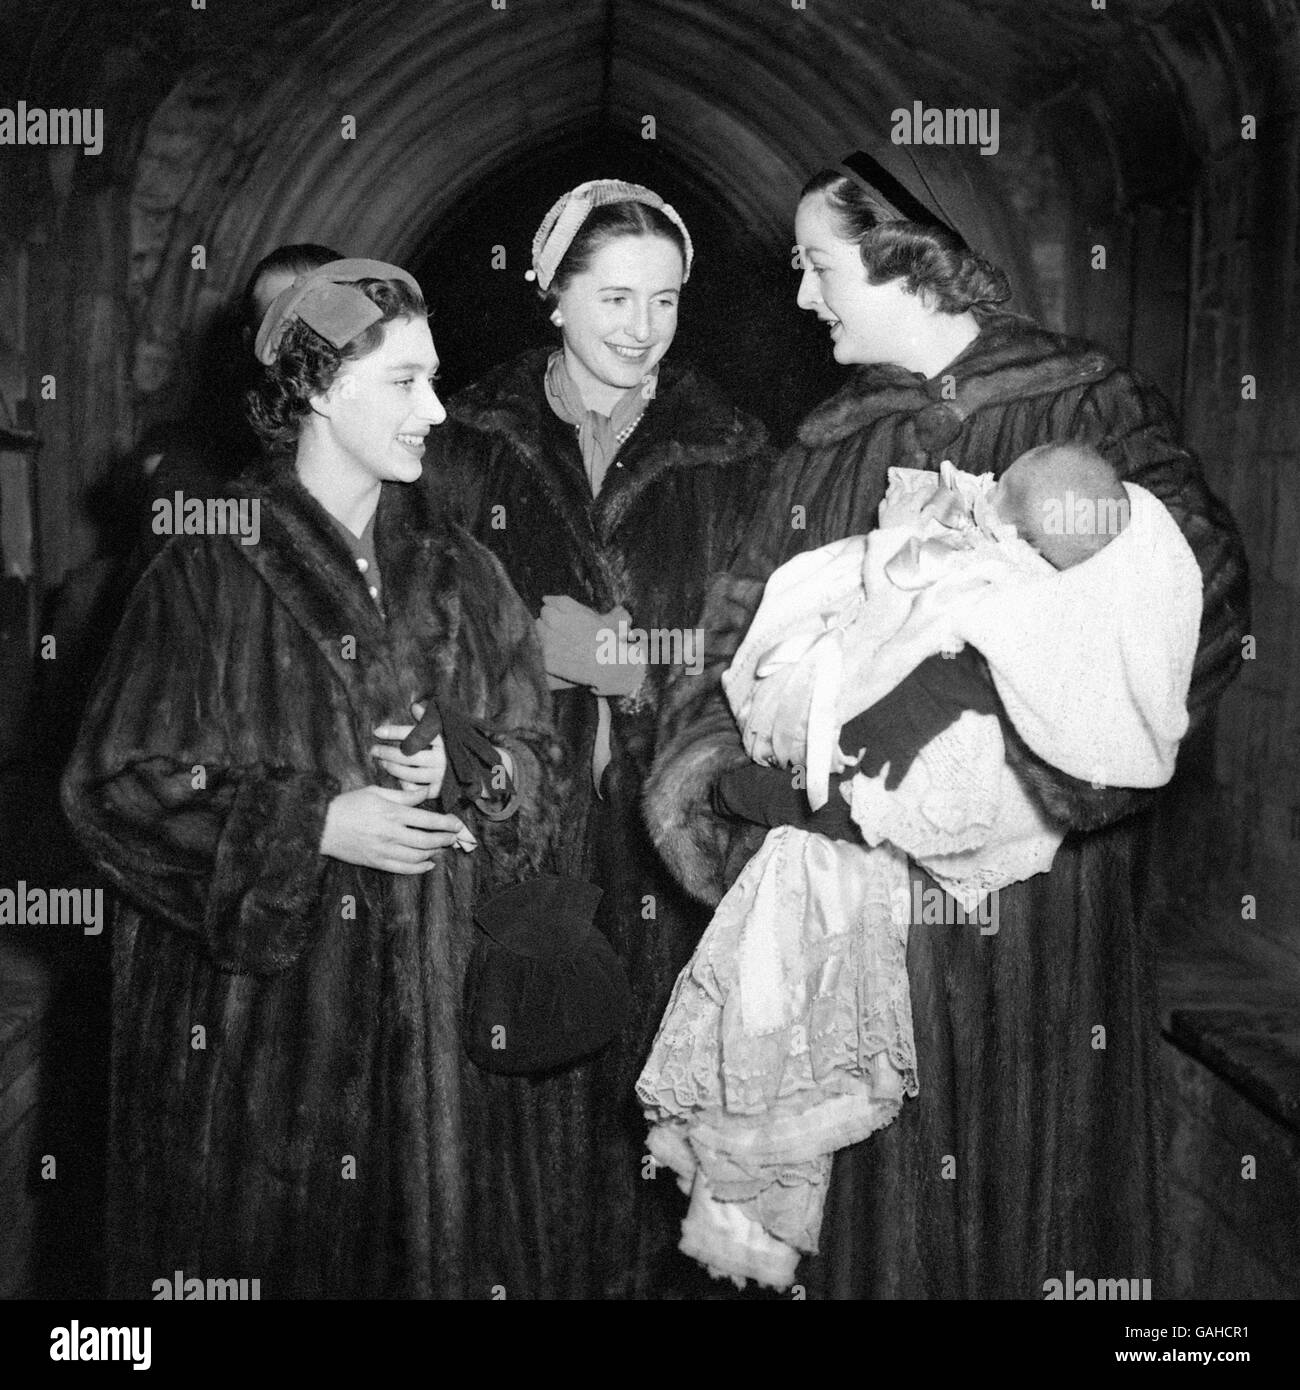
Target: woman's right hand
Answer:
pixel 919 708
pixel 575 645
pixel 768 796
pixel 382 828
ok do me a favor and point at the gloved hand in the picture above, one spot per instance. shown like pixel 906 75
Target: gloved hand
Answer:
pixel 893 731
pixel 925 703
pixel 768 796
pixel 572 645
pixel 472 760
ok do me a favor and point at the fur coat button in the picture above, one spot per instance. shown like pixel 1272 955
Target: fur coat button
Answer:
pixel 936 427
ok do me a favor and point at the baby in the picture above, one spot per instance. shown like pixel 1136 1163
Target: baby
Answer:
pixel 1064 499
pixel 789 1033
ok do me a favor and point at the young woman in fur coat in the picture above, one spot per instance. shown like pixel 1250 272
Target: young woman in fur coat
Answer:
pixel 612 484
pixel 1033 1146
pixel 291 1101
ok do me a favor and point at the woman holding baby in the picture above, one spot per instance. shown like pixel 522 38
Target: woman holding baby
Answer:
pixel 1033 1145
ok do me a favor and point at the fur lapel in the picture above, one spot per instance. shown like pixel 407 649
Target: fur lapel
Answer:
pixel 422 560
pixel 510 403
pixel 305 562
pixel 1013 359
pixel 687 425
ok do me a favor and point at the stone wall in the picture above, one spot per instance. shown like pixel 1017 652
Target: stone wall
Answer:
pixel 225 133
pixel 1242 412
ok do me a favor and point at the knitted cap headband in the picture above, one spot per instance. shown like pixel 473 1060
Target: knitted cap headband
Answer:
pixel 565 219
pixel 872 176
pixel 328 302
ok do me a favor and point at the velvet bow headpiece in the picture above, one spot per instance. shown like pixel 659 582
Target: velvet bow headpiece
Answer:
pixel 328 302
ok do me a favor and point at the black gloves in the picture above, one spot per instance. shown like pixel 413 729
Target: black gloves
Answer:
pixel 898 726
pixel 472 761
pixel 893 731
pixel 767 796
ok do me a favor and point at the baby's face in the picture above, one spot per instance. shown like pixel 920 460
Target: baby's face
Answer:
pixel 1009 505
pixel 1017 502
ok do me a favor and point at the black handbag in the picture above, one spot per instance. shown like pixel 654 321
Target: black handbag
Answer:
pixel 544 987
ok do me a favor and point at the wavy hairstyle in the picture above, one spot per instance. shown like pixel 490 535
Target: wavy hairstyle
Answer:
pixel 927 258
pixel 306 364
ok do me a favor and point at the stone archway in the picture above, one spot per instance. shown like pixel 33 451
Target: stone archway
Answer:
pixel 1122 126
pixel 239 145
pixel 443 101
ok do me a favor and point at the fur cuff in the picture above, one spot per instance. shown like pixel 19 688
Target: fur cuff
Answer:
pixel 524 844
pixel 1072 804
pixel 700 847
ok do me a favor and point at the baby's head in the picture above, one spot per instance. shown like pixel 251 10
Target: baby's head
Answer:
pixel 1064 499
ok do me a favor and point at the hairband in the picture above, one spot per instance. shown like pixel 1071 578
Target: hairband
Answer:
pixel 329 303
pixel 872 176
pixel 565 219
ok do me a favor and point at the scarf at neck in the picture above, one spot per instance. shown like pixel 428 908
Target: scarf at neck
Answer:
pixel 599 436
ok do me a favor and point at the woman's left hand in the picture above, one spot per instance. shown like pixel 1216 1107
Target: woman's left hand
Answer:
pixel 424 769
pixel 920 707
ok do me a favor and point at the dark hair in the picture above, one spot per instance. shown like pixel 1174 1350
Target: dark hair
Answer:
pixel 306 364
pixel 607 224
pixel 299 257
pixel 927 258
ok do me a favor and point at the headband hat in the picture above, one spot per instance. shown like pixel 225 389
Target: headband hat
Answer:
pixel 898 201
pixel 329 303
pixel 565 219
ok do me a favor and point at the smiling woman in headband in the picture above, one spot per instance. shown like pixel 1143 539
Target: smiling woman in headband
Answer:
pixel 1024 1154
pixel 295 900
pixel 612 481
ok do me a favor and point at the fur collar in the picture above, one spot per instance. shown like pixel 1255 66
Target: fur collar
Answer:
pixel 1012 359
pixel 688 425
pixel 688 410
pixel 305 562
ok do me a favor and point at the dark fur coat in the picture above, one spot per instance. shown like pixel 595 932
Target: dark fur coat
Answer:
pixel 669 516
pixel 290 1096
pixel 1031 1148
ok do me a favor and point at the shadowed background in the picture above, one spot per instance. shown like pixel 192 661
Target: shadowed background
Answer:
pixel 1120 128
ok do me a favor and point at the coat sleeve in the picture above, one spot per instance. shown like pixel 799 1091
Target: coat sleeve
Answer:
pixel 731 504
pixel 518 720
pixel 1131 425
pixel 227 852
pixel 698 738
